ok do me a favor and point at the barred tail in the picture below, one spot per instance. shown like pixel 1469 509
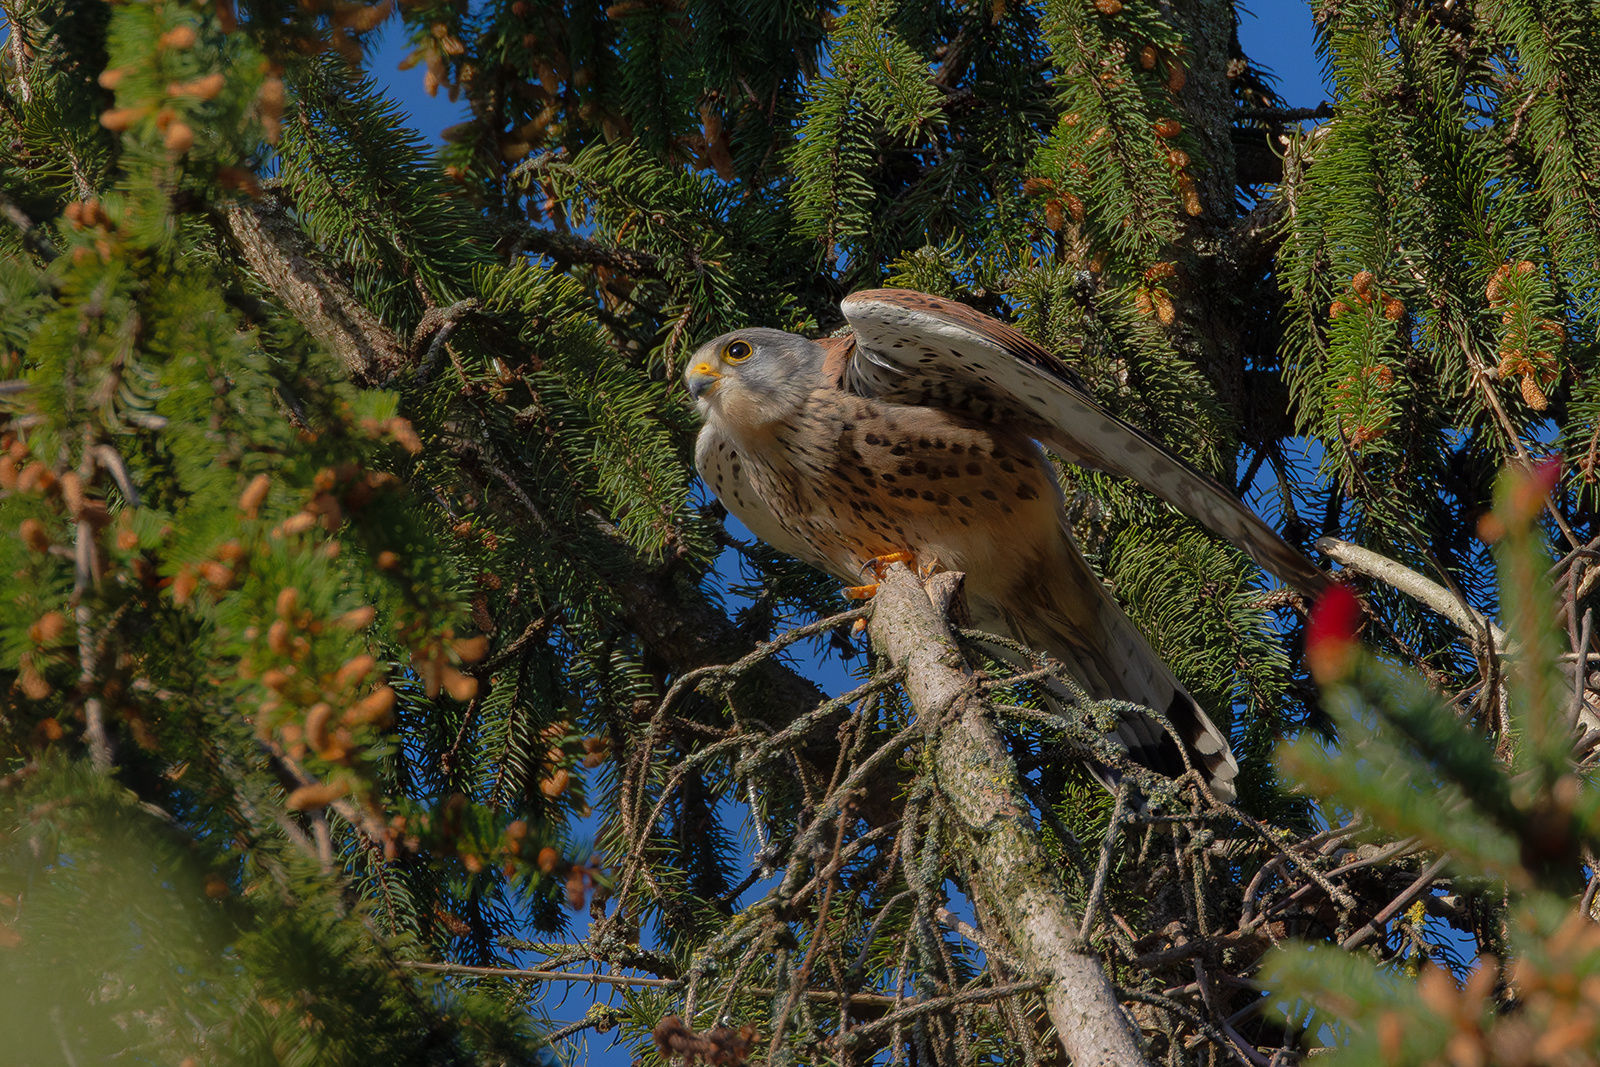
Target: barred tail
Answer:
pixel 1069 615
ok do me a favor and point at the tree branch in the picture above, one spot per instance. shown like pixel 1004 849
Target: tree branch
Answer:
pixel 33 234
pixel 568 248
pixel 1323 110
pixel 1376 924
pixel 86 567
pixel 1428 592
pixel 1012 871
pixel 283 259
pixel 679 625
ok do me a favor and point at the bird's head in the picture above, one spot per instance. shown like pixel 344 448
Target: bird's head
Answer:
pixel 753 376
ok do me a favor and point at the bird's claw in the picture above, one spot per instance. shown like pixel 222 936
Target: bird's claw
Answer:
pixel 878 565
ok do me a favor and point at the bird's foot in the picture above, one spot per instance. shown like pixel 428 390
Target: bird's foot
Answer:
pixel 878 565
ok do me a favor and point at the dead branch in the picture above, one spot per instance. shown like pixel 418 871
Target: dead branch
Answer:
pixel 1397 905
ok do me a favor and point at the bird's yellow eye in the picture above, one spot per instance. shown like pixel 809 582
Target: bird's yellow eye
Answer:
pixel 736 352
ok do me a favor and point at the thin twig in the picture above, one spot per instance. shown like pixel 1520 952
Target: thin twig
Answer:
pixel 1104 867
pixel 1580 671
pixel 729 671
pixel 872 931
pixel 1194 1019
pixel 819 934
pixel 534 629
pixel 917 1008
pixel 643 825
pixel 111 460
pixel 1376 924
pixel 441 323
pixel 85 567
pixel 990 946
pixel 32 233
pixel 1310 871
pixel 1323 110
pixel 543 976
pixel 1394 851
pixel 376 832
pixel 600 1017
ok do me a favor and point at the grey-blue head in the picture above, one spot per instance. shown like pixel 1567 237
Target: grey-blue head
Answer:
pixel 749 378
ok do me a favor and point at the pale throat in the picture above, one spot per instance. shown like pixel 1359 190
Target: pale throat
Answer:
pixel 750 421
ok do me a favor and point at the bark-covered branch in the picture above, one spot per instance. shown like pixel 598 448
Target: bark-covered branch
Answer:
pixel 569 248
pixel 1015 877
pixel 1428 592
pixel 281 257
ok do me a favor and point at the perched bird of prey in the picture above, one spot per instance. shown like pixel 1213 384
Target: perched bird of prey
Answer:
pixel 921 434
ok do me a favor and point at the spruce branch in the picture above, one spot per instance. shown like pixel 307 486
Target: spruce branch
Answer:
pixel 567 249
pixel 674 620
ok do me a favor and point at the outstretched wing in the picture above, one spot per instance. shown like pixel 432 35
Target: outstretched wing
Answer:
pixel 913 348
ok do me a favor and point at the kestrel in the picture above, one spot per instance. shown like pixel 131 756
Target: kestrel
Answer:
pixel 921 434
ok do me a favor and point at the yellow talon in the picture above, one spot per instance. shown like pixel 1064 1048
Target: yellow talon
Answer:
pixel 860 592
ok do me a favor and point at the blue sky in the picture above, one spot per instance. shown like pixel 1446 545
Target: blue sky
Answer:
pixel 1277 35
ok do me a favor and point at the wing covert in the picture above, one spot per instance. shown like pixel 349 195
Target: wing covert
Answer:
pixel 912 348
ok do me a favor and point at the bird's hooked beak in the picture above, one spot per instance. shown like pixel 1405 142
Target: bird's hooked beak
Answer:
pixel 701 379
